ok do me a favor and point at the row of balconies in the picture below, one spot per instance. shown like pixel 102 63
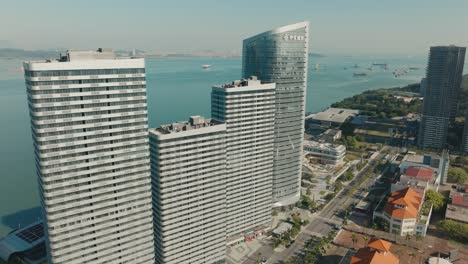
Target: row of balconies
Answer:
pixel 89 108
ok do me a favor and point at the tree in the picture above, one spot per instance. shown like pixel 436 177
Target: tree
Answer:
pixel 338 186
pixel 436 199
pixel 457 175
pixel 455 230
pixel 308 191
pixel 354 239
pixel 366 239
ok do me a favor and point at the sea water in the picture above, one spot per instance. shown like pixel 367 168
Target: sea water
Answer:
pixel 177 88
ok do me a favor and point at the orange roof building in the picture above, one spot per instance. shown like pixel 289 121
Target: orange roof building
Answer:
pixel 404 204
pixel 376 252
pixel 403 212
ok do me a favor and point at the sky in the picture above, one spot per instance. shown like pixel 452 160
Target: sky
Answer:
pixel 337 26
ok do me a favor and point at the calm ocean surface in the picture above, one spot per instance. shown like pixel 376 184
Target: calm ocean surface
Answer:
pixel 177 88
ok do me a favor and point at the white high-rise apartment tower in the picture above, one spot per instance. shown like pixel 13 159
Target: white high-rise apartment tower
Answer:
pixel 89 124
pixel 188 170
pixel 247 107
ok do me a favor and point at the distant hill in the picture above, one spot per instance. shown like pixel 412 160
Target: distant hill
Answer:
pixel 29 54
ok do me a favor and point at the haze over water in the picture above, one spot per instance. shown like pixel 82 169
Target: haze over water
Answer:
pixel 177 88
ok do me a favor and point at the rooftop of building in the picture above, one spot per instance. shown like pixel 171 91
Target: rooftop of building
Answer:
pixel 324 145
pixel 405 203
pixel 458 209
pixel 414 158
pixel 332 132
pixel 420 173
pixel 335 115
pixel 377 251
pixel 194 122
pixel 282 227
pixel 85 55
pixel 460 199
pixel 448 47
pixel 414 184
pixel 279 30
pixel 251 81
pixel 24 240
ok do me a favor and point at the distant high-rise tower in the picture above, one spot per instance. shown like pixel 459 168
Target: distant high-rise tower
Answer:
pixel 89 126
pixel 188 170
pixel 442 87
pixel 247 107
pixel 281 56
pixel 465 135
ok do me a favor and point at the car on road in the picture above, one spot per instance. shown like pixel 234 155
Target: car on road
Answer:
pixel 337 227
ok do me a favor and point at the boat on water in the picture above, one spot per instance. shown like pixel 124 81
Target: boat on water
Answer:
pixel 206 66
pixel 359 74
pixel 317 67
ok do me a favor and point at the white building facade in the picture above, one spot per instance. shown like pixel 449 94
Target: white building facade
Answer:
pixel 188 168
pixel 247 107
pixel 325 153
pixel 89 124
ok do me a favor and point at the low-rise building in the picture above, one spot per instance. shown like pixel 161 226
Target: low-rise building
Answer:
pixel 406 212
pixel 440 164
pixel 27 244
pixel 325 153
pixel 457 208
pixel 417 177
pixel 331 117
pixel 282 228
pixel 377 251
pixel 331 135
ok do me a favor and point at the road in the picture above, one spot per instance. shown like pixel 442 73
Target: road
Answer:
pixel 324 221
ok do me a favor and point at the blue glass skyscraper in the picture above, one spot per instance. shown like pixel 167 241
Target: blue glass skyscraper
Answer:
pixel 281 56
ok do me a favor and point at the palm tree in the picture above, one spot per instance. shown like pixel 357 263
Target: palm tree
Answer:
pixel 354 239
pixel 408 238
pixel 419 238
pixel 366 239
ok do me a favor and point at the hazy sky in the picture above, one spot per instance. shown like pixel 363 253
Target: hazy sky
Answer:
pixel 337 26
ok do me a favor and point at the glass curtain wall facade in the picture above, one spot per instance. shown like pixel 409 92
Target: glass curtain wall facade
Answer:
pixel 281 56
pixel 442 89
pixel 89 125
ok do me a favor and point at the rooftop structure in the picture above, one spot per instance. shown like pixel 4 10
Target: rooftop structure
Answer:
pixel 419 173
pixel 457 208
pixel 377 251
pixel 282 228
pixel 331 135
pixel 194 122
pixel 28 243
pixel 332 116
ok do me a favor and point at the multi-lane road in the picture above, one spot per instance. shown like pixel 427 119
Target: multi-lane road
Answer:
pixel 325 220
